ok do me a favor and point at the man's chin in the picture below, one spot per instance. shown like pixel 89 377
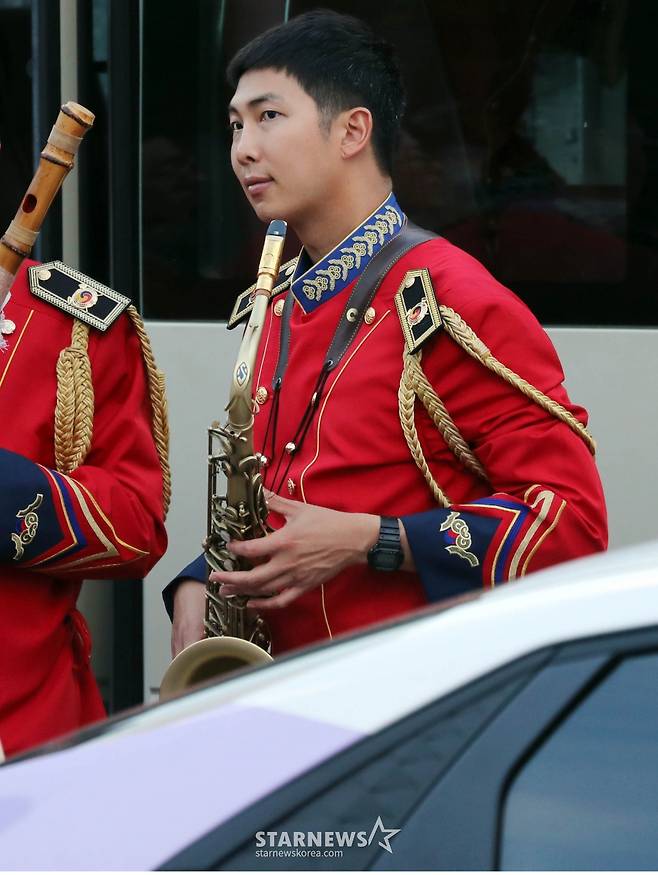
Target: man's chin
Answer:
pixel 265 212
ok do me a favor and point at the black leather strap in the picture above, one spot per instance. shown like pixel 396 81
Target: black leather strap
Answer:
pixel 386 554
pixel 389 532
pixel 367 285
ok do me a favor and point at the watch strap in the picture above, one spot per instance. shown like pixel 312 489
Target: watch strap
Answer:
pixel 389 533
pixel 386 554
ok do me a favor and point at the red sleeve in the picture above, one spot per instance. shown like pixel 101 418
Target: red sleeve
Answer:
pixel 105 518
pixel 544 501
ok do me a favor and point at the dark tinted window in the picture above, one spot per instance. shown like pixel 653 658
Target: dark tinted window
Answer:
pixel 588 798
pixel 15 107
pixel 384 776
pixel 529 140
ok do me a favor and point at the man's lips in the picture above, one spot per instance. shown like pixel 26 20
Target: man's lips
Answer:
pixel 256 184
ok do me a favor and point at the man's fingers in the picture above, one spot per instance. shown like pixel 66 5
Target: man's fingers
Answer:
pixel 281 600
pixel 248 582
pixel 258 548
pixel 279 504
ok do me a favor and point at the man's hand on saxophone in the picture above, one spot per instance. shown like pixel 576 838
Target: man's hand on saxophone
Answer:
pixel 312 547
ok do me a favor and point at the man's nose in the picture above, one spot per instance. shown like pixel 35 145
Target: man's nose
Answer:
pixel 246 148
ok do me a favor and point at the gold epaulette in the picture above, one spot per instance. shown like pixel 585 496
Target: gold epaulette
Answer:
pixel 417 308
pixel 245 301
pixel 76 294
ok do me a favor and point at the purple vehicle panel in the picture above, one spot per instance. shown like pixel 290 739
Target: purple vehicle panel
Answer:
pixel 131 801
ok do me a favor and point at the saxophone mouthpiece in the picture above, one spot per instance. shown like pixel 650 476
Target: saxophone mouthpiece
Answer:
pixel 277 228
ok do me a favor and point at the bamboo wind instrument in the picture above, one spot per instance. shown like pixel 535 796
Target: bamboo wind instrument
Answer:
pixel 57 159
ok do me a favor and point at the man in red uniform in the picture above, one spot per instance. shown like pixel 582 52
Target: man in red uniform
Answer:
pixel 419 440
pixel 81 492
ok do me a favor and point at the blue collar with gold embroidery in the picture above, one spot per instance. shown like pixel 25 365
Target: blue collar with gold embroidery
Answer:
pixel 313 284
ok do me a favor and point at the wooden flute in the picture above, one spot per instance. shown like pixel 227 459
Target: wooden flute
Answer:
pixel 57 159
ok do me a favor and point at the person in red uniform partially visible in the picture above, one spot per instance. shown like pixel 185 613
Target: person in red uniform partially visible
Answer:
pixel 83 487
pixel 379 507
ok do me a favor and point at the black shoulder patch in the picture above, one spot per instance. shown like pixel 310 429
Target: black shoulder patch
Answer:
pixel 78 295
pixel 417 308
pixel 245 301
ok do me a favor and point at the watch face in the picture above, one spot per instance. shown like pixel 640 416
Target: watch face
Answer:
pixel 385 560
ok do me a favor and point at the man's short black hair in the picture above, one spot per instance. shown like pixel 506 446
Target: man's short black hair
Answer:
pixel 340 63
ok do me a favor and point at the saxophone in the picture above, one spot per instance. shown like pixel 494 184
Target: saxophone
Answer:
pixel 235 635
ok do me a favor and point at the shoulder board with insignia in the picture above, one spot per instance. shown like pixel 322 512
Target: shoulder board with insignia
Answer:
pixel 417 308
pixel 245 301
pixel 78 295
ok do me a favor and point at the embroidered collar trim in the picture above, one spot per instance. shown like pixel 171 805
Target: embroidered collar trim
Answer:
pixel 313 284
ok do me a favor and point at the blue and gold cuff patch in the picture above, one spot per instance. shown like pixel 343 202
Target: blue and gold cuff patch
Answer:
pixel 480 543
pixel 78 295
pixel 417 308
pixel 37 521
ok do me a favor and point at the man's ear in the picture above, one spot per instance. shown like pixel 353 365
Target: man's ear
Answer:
pixel 356 131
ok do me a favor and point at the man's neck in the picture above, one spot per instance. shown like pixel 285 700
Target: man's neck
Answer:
pixel 339 218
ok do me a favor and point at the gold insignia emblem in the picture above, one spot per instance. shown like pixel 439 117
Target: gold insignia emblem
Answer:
pixel 30 524
pixel 417 313
pixel 459 527
pixel 369 317
pixel 278 307
pixel 262 395
pixel 83 298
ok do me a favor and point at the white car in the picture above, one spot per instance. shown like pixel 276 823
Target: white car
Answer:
pixel 517 729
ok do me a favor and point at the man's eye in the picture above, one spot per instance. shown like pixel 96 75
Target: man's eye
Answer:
pixel 270 114
pixel 234 126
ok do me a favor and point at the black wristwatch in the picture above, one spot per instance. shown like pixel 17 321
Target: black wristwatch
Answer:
pixel 387 553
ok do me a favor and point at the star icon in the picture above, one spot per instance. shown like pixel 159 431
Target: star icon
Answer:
pixel 385 843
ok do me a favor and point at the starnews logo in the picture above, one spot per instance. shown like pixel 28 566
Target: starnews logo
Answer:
pixel 326 843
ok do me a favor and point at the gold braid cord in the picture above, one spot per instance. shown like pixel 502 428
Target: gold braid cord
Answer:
pixel 158 394
pixel 406 403
pixel 74 409
pixel 462 334
pixel 440 416
pixel 414 384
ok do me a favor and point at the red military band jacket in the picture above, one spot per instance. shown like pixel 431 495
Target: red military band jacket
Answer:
pixel 542 500
pixel 102 520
